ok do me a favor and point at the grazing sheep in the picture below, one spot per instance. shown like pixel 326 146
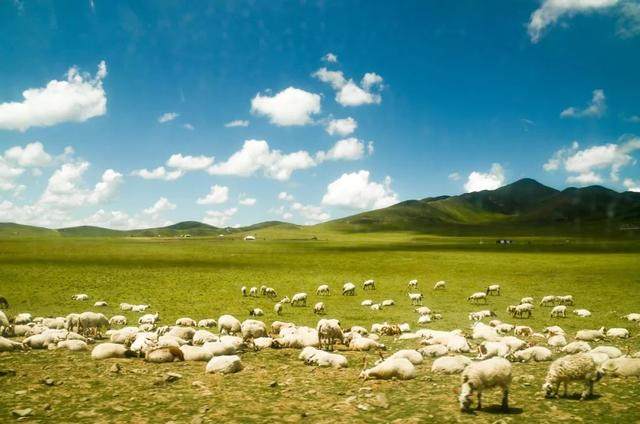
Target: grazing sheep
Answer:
pixel 548 300
pixel 323 290
pixel 149 318
pixel 252 329
pixel 256 312
pixel 477 316
pixel 318 308
pixel 118 320
pixel 576 347
pixel 195 353
pixel 228 324
pixel 559 311
pixel 578 367
pixel 477 297
pixel 366 302
pixel 565 300
pixel 520 311
pixel 483 375
pixel 186 322
pixel 253 292
pixel 329 333
pixel 527 299
pixel 81 297
pixel 415 298
pixel 450 364
pixel 433 351
pixel 611 351
pixel 7 345
pixel 243 290
pixel 312 356
pixel 590 335
pixel 622 367
pixel 582 313
pixel 164 354
pixel 369 285
pixel 100 303
pixel 557 340
pixel 620 333
pixel 277 308
pixel 349 289
pixel 534 353
pixel 412 284
pixel 208 323
pixel 299 299
pixel 635 317
pixel 111 350
pixel 92 323
pixel 440 285
pixel 226 364
pixel 270 292
pixel 493 290
pixel 388 302
pixel 399 368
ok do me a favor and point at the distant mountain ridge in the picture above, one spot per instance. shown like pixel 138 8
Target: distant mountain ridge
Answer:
pixel 523 205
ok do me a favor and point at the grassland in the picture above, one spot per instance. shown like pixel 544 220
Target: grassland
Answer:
pixel 201 277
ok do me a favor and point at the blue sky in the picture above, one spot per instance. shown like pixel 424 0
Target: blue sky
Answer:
pixel 458 96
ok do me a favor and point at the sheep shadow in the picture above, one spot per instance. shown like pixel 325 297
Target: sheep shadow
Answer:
pixel 497 409
pixel 577 396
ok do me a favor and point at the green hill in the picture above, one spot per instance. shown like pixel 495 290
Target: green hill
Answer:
pixel 10 229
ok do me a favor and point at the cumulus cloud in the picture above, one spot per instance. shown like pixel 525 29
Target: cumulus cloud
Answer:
pixel 159 173
pixel 454 176
pixel 188 126
pixel 348 92
pixel 167 117
pixel 247 201
pixel 189 163
pixel 352 95
pixel 478 181
pixel 219 218
pixel 237 123
pixel 631 185
pixel 586 164
pixel 283 195
pixel 341 127
pixel 162 205
pixel 355 191
pixel 76 99
pixel 119 220
pixel 334 78
pixel 330 57
pixel 312 214
pixel 551 11
pixel 628 24
pixel 370 79
pixel 347 149
pixel 595 109
pixel 291 106
pixel 217 195
pixel 31 155
pixel 8 174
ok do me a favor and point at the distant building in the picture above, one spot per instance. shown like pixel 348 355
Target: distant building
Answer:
pixel 249 238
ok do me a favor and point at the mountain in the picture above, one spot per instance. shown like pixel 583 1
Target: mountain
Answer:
pixel 9 229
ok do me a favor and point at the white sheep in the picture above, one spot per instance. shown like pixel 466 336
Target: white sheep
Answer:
pixel 534 353
pixel 363 344
pixel 208 323
pixel 590 335
pixel 477 297
pixel 620 333
pixel 285 300
pixel 450 364
pixel 111 350
pixel 369 285
pixel 366 302
pixel 548 300
pixel 559 311
pixel 277 308
pixel 186 322
pixel 228 324
pixel 483 331
pixel 118 320
pixel 527 299
pixel 440 285
pixel 23 318
pixel 576 347
pixel 252 329
pixel 329 332
pixel 323 290
pixel 139 308
pixel 299 299
pixel 124 306
pixel 100 303
pixel 415 298
pixel 424 319
pixel 149 318
pixel 412 284
pixel 261 343
pixel 611 351
pixel 226 364
pixel 553 330
pixel 201 337
pixel 504 328
pixel 319 308
pixel 81 297
pixel 243 290
pixel 483 375
pixel 185 333
pixel 91 322
pixel 195 353
pixel 578 367
pixel 7 345
pixel 164 353
pixel 388 302
pixel 411 355
pixel 423 310
pixel 312 356
pixel 376 307
pixel 398 368
pixel 493 289
pixel 348 289
pixel 557 340
pixel 565 300
pixel 219 348
pixel 488 350
pixel 270 292
pixel 433 351
pixel 522 310
pixel 253 292
pixel 634 317
pixel 622 367
pixel 582 313
pixel 256 312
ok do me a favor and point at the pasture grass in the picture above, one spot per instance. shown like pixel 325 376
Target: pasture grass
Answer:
pixel 201 278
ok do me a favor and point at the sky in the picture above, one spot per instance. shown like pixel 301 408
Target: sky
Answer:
pixel 146 113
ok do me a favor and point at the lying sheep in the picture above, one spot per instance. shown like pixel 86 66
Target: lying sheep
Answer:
pixel 483 375
pixel 411 355
pixel 590 335
pixel 488 350
pixel 164 354
pixel 553 330
pixel 620 333
pixel 118 320
pixel 111 350
pixel 208 323
pixel 100 304
pixel 227 364
pixel 622 367
pixel 576 347
pixel 398 368
pixel 81 297
pixel 7 345
pixel 366 302
pixel 433 351
pixel 139 308
pixel 252 329
pixel 534 353
pixel 388 302
pixel 527 299
pixel 363 344
pixel 261 343
pixel 219 348
pixel 195 353
pixel 450 364
pixel 124 306
pixel 582 313
pixel 611 351
pixel 578 367
pixel 72 345
pixel 201 337
pixel 312 356
pixel 23 318
pixel 634 317
pixel 256 312
pixel 558 340
pixel 376 307
pixel 186 322
pixel 149 318
pixel 423 310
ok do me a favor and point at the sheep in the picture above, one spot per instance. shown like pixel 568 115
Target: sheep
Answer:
pixel 318 308
pixel 598 357
pixel 263 289
pixel 369 285
pixel 256 312
pixel 252 329
pixel 80 297
pixel 620 333
pixel 41 341
pixel 349 289
pixel 527 299
pixel 358 330
pixel 520 311
pixel 634 317
pixel 185 333
pixel 143 341
pixel 415 298
pixel 219 348
pixel 91 322
pixel 565 300
pixel 576 347
pixel 4 321
pixel 243 290
pixel 578 367
pixel 440 285
pixel 270 292
pixel 23 318
pixel 72 345
pixel 611 351
pixel 186 322
pixel 557 340
pixel 297 338
pixel 207 323
pixel 118 320
pixel 111 350
pixel 450 364
pixel 488 350
pixel 622 367
pixel 7 345
pixel 483 375
pixel 260 343
pixel 433 351
pixel 493 289
pixel 411 355
pixel 4 304
pixel 299 299
pixel 477 316
pixel 582 313
pixel 329 332
pixel 405 327
pixel 139 308
pixel 504 328
pixel 423 310
pixel 201 337
pixel 276 326
pixel 376 307
pixel 226 364
pixel 195 353
pixel 388 302
pixel 484 332
pixel 253 292
pixel 100 303
pixel 412 284
pixel 399 368
pixel 364 344
pixel 149 318
pixel 559 311
pixel 125 306
pixel 323 290
pixel 277 308
pixel 285 300
pixel 553 330
pixel 228 324
pixel 590 335
pixel 477 297
pixel 164 354
pixel 366 302
pixel 534 353
pixel 548 300
pixel 57 323
pixel 312 356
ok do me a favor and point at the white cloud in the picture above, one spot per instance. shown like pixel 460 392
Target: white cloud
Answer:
pixel 335 78
pixel 348 92
pixel 217 195
pixel 162 205
pixel 370 148
pixel 76 99
pixel 237 123
pixel 352 95
pixel 556 161
pixel 629 21
pixel 585 178
pixel 189 163
pixel 247 201
pixel 287 215
pixel 341 127
pixel 312 214
pixel 219 218
pixel 552 10
pixel 595 109
pixel 148 218
pixel 291 106
pixel 31 155
pixel 355 191
pixel 8 174
pixel 330 57
pixel 454 176
pixel 283 195
pixel 106 188
pixel 478 181
pixel 347 149
pixel 188 126
pixel 159 173
pixel 256 155
pixel 167 117
pixel 370 79
pixel 631 185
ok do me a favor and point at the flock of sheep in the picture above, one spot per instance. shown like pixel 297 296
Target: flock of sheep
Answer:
pixel 497 343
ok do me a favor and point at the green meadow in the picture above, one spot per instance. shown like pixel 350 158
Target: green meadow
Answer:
pixel 202 277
